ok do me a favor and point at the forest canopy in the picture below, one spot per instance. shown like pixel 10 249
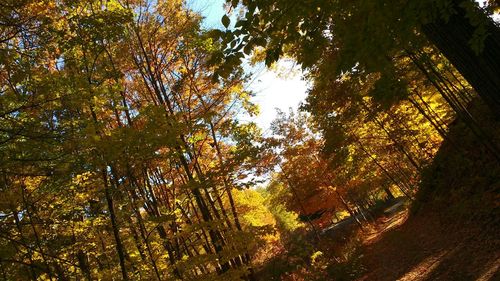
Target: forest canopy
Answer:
pixel 124 154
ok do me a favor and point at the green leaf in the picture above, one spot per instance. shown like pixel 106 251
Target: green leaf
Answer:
pixel 225 21
pixel 240 23
pixel 248 49
pixel 216 34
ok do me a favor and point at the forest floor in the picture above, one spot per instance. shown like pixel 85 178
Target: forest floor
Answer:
pixel 430 247
pixel 449 232
pixel 453 230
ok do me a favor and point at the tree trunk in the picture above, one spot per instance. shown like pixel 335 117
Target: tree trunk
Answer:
pixel 390 196
pixel 336 216
pixel 119 246
pixel 391 178
pixel 452 37
pixel 348 209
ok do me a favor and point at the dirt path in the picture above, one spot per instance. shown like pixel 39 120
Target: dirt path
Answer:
pixel 423 248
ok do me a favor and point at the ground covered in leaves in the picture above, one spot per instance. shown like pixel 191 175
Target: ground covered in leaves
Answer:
pixel 430 247
pixel 451 232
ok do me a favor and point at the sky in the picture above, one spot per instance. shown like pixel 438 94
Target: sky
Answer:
pixel 271 89
pixel 283 88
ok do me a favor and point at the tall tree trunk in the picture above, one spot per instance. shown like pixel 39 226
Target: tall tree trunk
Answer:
pixel 38 243
pixel 348 209
pixel 386 172
pixel 301 205
pixel 390 196
pixel 452 37
pixel 114 224
pixel 29 252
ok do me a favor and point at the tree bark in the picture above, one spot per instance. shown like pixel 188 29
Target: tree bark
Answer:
pixel 390 196
pixel 452 37
pixel 116 232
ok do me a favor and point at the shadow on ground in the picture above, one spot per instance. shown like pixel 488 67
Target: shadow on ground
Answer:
pixel 427 248
pixel 453 232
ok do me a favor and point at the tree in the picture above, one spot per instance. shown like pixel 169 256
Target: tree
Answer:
pixel 121 154
pixel 310 30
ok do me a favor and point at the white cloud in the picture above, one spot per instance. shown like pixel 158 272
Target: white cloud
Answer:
pixel 283 88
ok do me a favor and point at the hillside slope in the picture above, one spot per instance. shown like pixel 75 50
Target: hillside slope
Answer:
pixel 452 230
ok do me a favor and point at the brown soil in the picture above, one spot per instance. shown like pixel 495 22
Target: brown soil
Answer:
pixel 428 247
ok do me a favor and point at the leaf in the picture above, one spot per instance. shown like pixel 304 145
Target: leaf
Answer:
pixel 216 34
pixel 240 23
pixel 163 218
pixel 225 21
pixel 248 49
